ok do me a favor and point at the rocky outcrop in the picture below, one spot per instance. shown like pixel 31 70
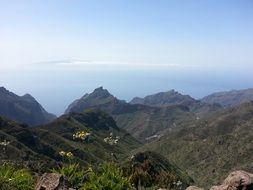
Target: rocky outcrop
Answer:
pixel 52 181
pixel 237 180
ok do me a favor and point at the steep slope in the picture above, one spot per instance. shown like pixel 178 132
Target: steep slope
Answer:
pixel 23 109
pixel 230 98
pixel 142 121
pixel 19 144
pixel 43 143
pixel 212 147
pixel 173 97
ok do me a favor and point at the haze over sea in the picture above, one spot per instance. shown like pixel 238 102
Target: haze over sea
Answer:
pixel 59 50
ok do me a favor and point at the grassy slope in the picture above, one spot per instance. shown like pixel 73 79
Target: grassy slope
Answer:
pixel 44 142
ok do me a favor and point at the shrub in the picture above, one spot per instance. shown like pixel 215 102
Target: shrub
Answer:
pixel 74 173
pixel 109 178
pixel 12 179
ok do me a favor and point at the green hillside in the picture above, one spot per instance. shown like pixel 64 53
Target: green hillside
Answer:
pixel 213 146
pixel 44 143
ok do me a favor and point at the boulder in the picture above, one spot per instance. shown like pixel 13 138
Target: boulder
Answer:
pixel 52 181
pixel 239 179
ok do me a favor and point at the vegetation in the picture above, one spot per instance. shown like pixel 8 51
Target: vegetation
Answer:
pixel 149 169
pixel 75 174
pixel 212 147
pixel 76 136
pixel 108 178
pixel 13 179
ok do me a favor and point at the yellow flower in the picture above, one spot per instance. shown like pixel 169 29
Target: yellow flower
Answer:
pixel 81 135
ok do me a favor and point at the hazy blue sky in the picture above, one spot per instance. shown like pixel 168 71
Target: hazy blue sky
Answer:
pixel 57 50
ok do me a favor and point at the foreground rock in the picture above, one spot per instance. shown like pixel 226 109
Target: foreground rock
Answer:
pixel 237 180
pixel 52 181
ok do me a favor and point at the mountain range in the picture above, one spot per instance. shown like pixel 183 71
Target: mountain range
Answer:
pixel 23 109
pixel 207 138
pixel 142 121
pixel 168 98
pixel 172 97
pixel 230 98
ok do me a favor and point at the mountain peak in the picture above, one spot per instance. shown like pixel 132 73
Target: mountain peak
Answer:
pixel 99 88
pixel 100 92
pixel 28 97
pixel 3 90
pixel 98 97
pixel 23 109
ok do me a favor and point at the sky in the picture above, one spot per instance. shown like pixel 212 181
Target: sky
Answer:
pixel 58 50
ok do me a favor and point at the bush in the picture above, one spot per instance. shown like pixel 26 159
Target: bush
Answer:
pixel 74 173
pixel 12 179
pixel 109 178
